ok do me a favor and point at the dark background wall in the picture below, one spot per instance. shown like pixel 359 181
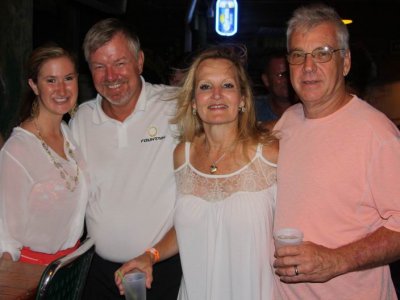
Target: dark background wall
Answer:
pixel 15 45
pixel 168 28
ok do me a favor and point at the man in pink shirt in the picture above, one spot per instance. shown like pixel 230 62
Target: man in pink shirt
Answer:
pixel 338 173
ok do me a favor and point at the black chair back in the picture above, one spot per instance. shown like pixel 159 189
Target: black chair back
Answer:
pixel 65 278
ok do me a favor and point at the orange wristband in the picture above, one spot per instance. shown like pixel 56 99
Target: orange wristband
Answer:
pixel 155 253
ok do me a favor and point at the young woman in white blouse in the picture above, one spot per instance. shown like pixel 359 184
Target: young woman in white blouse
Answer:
pixel 226 182
pixel 43 181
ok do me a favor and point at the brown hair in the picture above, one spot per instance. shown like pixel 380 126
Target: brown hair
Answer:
pixel 35 62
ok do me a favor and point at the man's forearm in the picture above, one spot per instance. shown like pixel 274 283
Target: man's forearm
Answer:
pixel 379 248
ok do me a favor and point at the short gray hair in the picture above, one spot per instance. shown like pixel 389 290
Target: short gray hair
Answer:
pixel 307 17
pixel 103 31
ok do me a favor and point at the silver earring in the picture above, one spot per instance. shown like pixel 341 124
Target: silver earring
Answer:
pixel 242 109
pixel 194 111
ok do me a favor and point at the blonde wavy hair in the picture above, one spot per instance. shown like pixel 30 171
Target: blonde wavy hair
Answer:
pixel 190 126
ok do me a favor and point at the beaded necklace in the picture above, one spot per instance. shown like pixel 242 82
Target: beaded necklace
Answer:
pixel 70 181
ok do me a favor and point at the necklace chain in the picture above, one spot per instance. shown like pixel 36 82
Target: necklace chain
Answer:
pixel 213 166
pixel 71 181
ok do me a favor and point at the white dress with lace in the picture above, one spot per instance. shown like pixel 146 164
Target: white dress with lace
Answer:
pixel 224 231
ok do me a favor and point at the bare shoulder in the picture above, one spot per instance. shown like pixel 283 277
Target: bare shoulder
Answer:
pixel 271 151
pixel 179 155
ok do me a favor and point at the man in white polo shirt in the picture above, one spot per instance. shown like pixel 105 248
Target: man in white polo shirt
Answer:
pixel 128 144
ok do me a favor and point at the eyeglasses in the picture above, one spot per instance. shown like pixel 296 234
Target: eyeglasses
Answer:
pixel 319 55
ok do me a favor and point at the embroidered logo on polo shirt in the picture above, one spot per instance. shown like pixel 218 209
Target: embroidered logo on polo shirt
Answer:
pixel 152 133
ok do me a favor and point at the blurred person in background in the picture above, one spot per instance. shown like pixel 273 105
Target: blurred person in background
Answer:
pixel 279 93
pixel 177 70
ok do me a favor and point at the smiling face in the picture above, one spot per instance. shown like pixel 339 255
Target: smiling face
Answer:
pixel 319 84
pixel 116 72
pixel 217 92
pixel 56 86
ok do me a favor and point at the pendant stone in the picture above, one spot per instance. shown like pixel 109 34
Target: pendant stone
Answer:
pixel 213 169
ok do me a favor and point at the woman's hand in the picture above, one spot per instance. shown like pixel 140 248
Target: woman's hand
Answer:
pixel 142 263
pixel 167 247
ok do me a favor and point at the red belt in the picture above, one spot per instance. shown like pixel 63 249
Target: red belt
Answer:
pixel 39 258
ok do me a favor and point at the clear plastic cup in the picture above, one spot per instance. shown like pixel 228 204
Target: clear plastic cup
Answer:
pixel 135 286
pixel 287 237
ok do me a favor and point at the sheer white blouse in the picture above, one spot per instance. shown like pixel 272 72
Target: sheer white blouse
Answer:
pixel 36 208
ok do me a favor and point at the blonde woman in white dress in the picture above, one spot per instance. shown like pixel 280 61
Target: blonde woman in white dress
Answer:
pixel 226 179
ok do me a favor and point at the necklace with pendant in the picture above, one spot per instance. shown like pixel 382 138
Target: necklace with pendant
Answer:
pixel 71 181
pixel 213 167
